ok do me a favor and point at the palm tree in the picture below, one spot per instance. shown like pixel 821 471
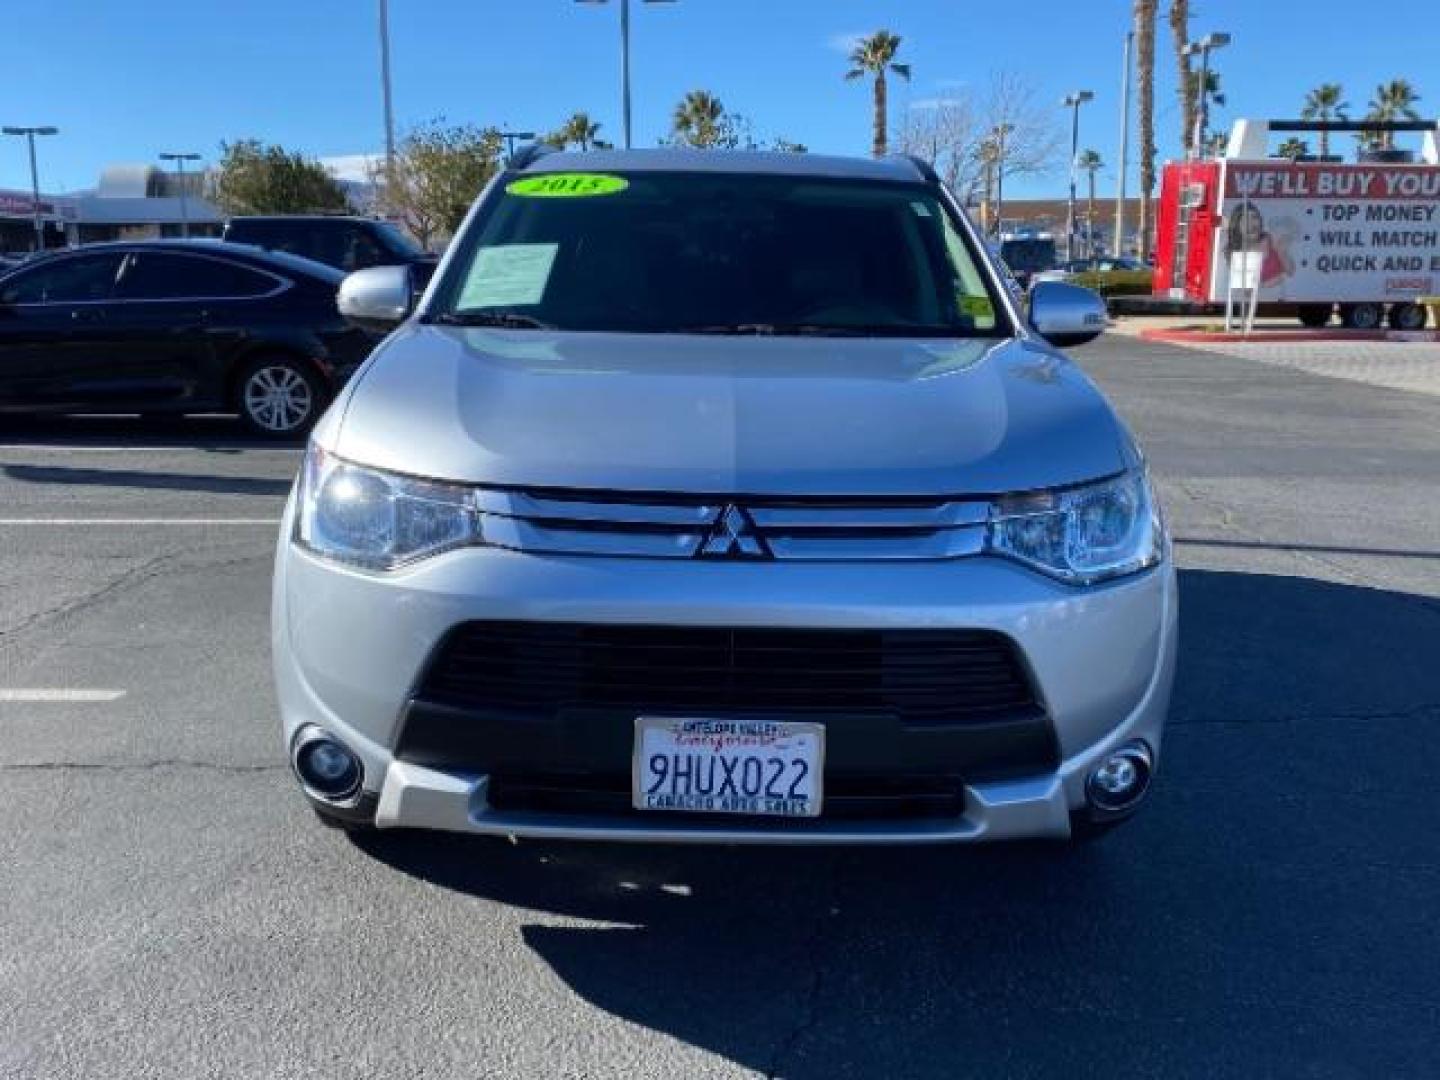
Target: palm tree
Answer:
pixel 1145 78
pixel 578 131
pixel 699 120
pixel 1394 100
pixel 1089 162
pixel 1325 103
pixel 1293 149
pixel 875 56
pixel 1180 36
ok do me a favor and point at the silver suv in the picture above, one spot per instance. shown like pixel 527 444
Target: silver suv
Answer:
pixel 722 497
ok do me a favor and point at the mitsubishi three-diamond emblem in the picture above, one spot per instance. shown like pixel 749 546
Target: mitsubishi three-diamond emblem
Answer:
pixel 733 536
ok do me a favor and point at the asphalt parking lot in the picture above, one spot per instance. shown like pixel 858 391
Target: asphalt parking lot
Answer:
pixel 169 908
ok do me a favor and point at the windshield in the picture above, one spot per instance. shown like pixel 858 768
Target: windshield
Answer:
pixel 705 253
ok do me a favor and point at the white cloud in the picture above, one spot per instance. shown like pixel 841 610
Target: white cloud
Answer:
pixel 353 167
pixel 922 104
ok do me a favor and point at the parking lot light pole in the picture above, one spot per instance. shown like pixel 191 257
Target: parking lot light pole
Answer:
pixel 1204 47
pixel 30 133
pixel 1073 103
pixel 179 160
pixel 385 91
pixel 625 58
pixel 1119 248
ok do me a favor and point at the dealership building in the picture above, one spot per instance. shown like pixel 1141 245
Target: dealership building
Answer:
pixel 130 202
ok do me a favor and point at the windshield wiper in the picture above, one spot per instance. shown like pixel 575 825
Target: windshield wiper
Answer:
pixel 817 330
pixel 506 320
pixel 772 330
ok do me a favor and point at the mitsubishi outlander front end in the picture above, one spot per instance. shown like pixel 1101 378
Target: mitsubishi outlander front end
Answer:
pixel 723 497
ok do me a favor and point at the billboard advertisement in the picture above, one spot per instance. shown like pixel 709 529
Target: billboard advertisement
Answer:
pixel 1323 232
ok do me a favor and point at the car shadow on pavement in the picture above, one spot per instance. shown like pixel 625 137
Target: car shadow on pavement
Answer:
pixel 64 476
pixel 1268 912
pixel 212 433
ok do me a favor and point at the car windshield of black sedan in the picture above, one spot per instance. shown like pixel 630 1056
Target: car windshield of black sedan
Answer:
pixel 700 253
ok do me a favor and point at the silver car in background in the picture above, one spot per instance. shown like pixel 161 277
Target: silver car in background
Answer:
pixel 723 497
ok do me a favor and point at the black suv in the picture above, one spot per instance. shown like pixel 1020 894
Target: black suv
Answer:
pixel 346 243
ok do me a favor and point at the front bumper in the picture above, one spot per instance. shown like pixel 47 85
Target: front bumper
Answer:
pixel 349 647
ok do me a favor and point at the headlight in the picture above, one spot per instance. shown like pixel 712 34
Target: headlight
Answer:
pixel 378 520
pixel 1082 535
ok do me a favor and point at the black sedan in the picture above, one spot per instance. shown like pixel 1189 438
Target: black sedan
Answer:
pixel 176 327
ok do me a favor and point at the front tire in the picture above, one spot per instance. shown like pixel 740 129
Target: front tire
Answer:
pixel 278 397
pixel 344 824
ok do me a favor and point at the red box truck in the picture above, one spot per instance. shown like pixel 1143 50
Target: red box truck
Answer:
pixel 1315 234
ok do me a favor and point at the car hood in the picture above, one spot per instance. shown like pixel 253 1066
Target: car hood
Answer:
pixel 733 415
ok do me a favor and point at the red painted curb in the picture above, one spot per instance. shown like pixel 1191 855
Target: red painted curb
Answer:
pixel 1189 333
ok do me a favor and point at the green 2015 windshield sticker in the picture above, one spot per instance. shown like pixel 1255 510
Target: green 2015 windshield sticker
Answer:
pixel 567 185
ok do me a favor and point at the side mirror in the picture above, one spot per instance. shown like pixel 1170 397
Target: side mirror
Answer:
pixel 377 298
pixel 1066 315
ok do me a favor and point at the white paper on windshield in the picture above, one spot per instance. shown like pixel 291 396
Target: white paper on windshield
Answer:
pixel 508 275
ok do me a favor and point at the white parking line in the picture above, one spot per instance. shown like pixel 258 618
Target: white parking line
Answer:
pixel 61 695
pixel 189 448
pixel 270 522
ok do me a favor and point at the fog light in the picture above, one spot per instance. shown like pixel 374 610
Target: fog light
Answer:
pixel 1121 779
pixel 327 767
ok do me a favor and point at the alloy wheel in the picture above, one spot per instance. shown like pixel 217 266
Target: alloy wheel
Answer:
pixel 278 398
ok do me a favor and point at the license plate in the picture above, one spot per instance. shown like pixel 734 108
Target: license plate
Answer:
pixel 765 767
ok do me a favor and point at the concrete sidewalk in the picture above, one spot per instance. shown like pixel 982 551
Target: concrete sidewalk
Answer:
pixel 1400 365
pixel 1188 329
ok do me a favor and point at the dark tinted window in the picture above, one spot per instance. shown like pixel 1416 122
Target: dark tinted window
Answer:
pixel 329 242
pixel 361 251
pixel 87 277
pixel 163 276
pixel 397 241
pixel 677 252
pixel 260 233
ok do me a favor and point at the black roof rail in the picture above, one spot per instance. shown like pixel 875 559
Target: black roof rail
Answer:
pixel 1353 125
pixel 528 154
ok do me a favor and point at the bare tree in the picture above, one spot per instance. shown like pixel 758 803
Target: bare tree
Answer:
pixel 947 134
pixel 956 135
pixel 1033 143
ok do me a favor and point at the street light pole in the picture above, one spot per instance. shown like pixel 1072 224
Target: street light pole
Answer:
pixel 1119 247
pixel 625 60
pixel 1073 103
pixel 30 133
pixel 385 89
pixel 180 160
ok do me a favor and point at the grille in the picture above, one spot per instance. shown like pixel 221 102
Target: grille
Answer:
pixel 621 524
pixel 919 676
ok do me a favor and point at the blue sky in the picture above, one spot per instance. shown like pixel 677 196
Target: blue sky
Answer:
pixel 126 80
